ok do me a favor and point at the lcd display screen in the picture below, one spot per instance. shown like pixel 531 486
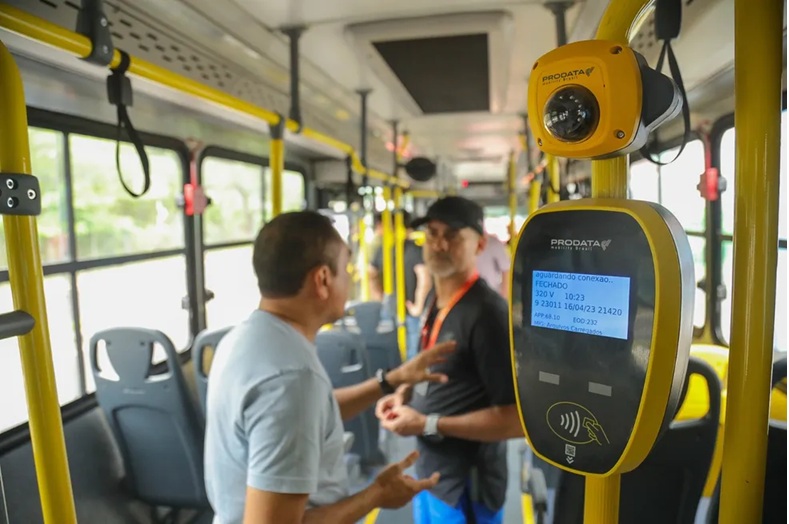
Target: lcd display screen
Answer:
pixel 581 303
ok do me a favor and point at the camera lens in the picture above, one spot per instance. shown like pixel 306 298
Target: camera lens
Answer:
pixel 571 114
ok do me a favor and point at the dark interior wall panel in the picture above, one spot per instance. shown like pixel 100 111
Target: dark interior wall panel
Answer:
pixel 96 477
pixel 443 74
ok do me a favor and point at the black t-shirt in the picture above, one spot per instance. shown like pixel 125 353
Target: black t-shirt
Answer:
pixel 480 376
pixel 412 256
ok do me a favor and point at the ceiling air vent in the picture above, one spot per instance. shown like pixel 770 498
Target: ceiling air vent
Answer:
pixel 440 64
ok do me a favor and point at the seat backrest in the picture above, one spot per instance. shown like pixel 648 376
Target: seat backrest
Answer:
pixel 379 333
pixel 155 422
pixel 667 487
pixel 203 351
pixel 344 356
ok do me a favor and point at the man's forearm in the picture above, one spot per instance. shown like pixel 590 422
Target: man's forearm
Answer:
pixel 347 511
pixel 355 399
pixel 486 425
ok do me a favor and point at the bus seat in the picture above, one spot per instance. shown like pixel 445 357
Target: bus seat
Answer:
pixel 667 487
pixel 205 340
pixel 379 333
pixel 774 501
pixel 345 359
pixel 155 421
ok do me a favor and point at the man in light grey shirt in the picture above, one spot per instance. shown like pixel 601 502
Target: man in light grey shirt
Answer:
pixel 274 434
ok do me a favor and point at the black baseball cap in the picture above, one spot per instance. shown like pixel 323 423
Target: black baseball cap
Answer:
pixel 456 212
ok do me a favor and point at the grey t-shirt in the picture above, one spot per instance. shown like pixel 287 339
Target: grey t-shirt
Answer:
pixel 272 420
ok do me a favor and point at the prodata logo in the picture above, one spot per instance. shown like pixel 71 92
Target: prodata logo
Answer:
pixel 575 244
pixel 572 74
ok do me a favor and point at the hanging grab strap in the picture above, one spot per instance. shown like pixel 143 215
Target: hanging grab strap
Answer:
pixel 119 92
pixel 668 20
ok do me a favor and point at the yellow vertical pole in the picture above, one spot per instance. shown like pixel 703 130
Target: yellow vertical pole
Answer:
pixel 400 238
pixel 27 287
pixel 758 28
pixel 535 188
pixel 363 258
pixel 277 164
pixel 609 179
pixel 387 241
pixel 554 178
pixel 513 198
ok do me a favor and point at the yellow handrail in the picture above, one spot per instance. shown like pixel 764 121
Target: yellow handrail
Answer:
pixel 609 179
pixel 27 287
pixel 42 30
pixel 758 39
pixel 512 198
pixel 400 237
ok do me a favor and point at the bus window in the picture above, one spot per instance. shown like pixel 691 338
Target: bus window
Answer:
pixel 644 181
pixel 674 187
pixel 108 221
pixel 727 150
pixel 46 158
pixel 13 406
pixel 678 182
pixel 293 194
pixel 47 162
pixel 231 223
pixel 110 225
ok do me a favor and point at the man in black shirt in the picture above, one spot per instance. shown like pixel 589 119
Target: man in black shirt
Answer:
pixel 461 424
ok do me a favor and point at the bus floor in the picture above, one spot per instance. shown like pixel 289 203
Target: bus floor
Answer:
pixel 396 448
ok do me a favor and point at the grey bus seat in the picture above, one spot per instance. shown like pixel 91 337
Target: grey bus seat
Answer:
pixel 344 357
pixel 379 333
pixel 667 487
pixel 208 339
pixel 774 500
pixel 153 417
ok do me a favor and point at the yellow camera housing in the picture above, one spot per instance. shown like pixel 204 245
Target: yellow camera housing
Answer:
pixel 597 99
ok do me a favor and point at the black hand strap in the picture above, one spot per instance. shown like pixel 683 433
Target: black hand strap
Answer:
pixel 119 92
pixel 668 21
pixel 677 77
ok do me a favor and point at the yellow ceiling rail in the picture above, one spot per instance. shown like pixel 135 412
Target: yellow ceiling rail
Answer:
pixel 28 25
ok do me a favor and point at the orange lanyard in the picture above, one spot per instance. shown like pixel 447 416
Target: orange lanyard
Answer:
pixel 428 343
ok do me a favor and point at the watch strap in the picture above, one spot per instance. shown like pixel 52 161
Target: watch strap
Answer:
pixel 386 387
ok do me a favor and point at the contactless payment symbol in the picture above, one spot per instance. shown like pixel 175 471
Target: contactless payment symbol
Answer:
pixel 575 424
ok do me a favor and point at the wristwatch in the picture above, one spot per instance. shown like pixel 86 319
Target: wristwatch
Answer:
pixel 431 427
pixel 386 387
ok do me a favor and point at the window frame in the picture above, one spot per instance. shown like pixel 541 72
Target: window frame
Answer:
pixel 223 153
pixel 67 125
pixel 715 230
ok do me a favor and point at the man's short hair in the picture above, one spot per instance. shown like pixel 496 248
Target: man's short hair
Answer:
pixel 289 247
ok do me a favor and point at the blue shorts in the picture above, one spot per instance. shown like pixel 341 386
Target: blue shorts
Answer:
pixel 431 510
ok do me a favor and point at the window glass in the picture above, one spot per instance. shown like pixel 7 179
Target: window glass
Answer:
pixel 678 182
pixel 293 195
pixel 230 276
pixel 698 246
pixel 46 162
pixel 13 403
pixel 644 181
pixel 110 222
pixel 236 193
pixel 145 294
pixel 727 172
pixel 497 221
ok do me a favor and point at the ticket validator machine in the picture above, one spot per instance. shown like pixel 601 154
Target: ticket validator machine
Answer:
pixel 602 288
